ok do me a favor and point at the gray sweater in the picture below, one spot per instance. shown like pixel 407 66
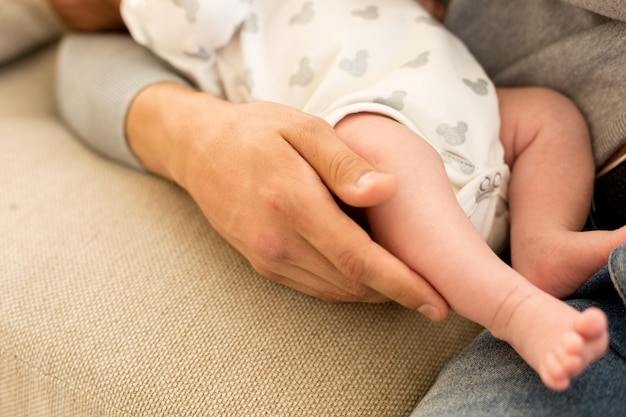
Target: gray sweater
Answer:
pixel 577 47
pixel 556 44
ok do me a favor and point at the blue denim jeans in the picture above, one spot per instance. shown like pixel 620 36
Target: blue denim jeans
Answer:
pixel 489 379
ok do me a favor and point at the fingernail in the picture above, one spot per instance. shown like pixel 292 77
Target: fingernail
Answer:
pixel 431 312
pixel 366 179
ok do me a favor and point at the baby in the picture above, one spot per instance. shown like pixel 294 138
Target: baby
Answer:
pixel 406 95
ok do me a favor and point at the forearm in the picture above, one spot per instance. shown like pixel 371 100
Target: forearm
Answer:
pixel 98 78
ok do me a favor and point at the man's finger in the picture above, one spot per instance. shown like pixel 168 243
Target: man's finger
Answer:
pixel 314 286
pixel 363 262
pixel 354 180
pixel 304 268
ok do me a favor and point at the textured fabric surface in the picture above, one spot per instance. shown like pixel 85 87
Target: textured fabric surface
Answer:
pixel 118 299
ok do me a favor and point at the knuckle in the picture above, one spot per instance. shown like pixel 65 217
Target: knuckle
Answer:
pixel 279 203
pixel 358 292
pixel 290 206
pixel 268 249
pixel 354 266
pixel 310 124
pixel 342 165
pixel 277 200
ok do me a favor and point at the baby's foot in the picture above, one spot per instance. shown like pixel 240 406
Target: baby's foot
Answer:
pixel 555 339
pixel 575 350
pixel 560 262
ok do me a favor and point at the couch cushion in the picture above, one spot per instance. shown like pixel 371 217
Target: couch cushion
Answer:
pixel 118 299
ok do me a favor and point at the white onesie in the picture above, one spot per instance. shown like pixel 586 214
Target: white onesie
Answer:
pixel 332 58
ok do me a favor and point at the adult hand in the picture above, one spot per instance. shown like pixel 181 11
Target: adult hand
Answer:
pixel 89 15
pixel 261 174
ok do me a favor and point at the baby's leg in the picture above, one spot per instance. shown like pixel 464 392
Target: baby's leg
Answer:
pixel 548 148
pixel 425 227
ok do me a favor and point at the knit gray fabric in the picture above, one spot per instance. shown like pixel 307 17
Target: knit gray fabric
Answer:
pixel 24 26
pixel 98 76
pixel 556 44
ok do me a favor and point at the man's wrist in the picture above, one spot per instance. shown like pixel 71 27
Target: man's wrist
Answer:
pixel 166 129
pixel 146 131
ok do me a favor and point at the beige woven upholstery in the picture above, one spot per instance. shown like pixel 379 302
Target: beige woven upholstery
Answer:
pixel 118 299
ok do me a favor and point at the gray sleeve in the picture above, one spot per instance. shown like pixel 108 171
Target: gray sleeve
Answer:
pixel 25 25
pixel 98 76
pixel 562 45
